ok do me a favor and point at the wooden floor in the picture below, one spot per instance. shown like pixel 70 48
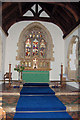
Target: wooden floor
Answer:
pixel 69 96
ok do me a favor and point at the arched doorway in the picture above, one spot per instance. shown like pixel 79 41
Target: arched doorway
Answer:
pixel 73 58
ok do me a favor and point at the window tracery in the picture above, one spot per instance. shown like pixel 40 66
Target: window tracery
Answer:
pixel 35 42
pixel 35 45
pixel 35 49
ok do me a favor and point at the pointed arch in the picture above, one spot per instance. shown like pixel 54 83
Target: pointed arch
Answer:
pixel 47 37
pixel 72 73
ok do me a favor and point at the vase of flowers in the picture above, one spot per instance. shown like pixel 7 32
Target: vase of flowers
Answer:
pixel 19 69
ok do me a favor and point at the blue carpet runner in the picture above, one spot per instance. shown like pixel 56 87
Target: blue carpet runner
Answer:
pixel 38 101
pixel 43 116
pixel 36 90
pixel 36 84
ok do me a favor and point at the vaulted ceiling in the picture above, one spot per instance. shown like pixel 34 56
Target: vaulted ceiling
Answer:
pixel 64 14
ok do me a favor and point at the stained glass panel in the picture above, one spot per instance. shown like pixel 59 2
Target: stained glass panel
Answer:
pixel 28 47
pixel 42 48
pixel 35 47
pixel 26 64
pixel 29 64
pixel 35 44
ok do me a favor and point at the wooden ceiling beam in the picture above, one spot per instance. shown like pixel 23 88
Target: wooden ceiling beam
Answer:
pixel 64 16
pixel 44 8
pixel 52 17
pixel 40 12
pixel 7 10
pixel 11 12
pixel 64 5
pixel 72 28
pixel 8 25
pixel 28 7
pixel 73 12
pixel 36 9
pixel 6 5
pixel 60 22
pixel 32 11
pixel 65 20
pixel 69 14
pixel 54 9
pixel 20 8
pixel 24 18
pixel 11 21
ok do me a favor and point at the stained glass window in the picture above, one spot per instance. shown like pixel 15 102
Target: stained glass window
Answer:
pixel 35 47
pixel 35 44
pixel 28 47
pixel 42 48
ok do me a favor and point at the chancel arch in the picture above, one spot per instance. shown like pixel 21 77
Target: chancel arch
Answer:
pixel 35 47
pixel 73 58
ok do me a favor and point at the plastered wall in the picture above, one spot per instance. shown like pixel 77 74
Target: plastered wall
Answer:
pixel 11 48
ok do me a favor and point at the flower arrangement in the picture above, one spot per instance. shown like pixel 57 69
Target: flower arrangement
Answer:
pixel 77 77
pixel 19 68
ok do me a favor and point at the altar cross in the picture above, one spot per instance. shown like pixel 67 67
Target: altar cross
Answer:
pixel 35 61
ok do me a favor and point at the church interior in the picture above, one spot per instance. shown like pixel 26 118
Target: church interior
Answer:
pixel 39 58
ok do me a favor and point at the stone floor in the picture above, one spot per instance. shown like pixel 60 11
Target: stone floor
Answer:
pixel 68 95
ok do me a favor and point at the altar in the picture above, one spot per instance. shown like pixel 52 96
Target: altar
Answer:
pixel 36 70
pixel 35 76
